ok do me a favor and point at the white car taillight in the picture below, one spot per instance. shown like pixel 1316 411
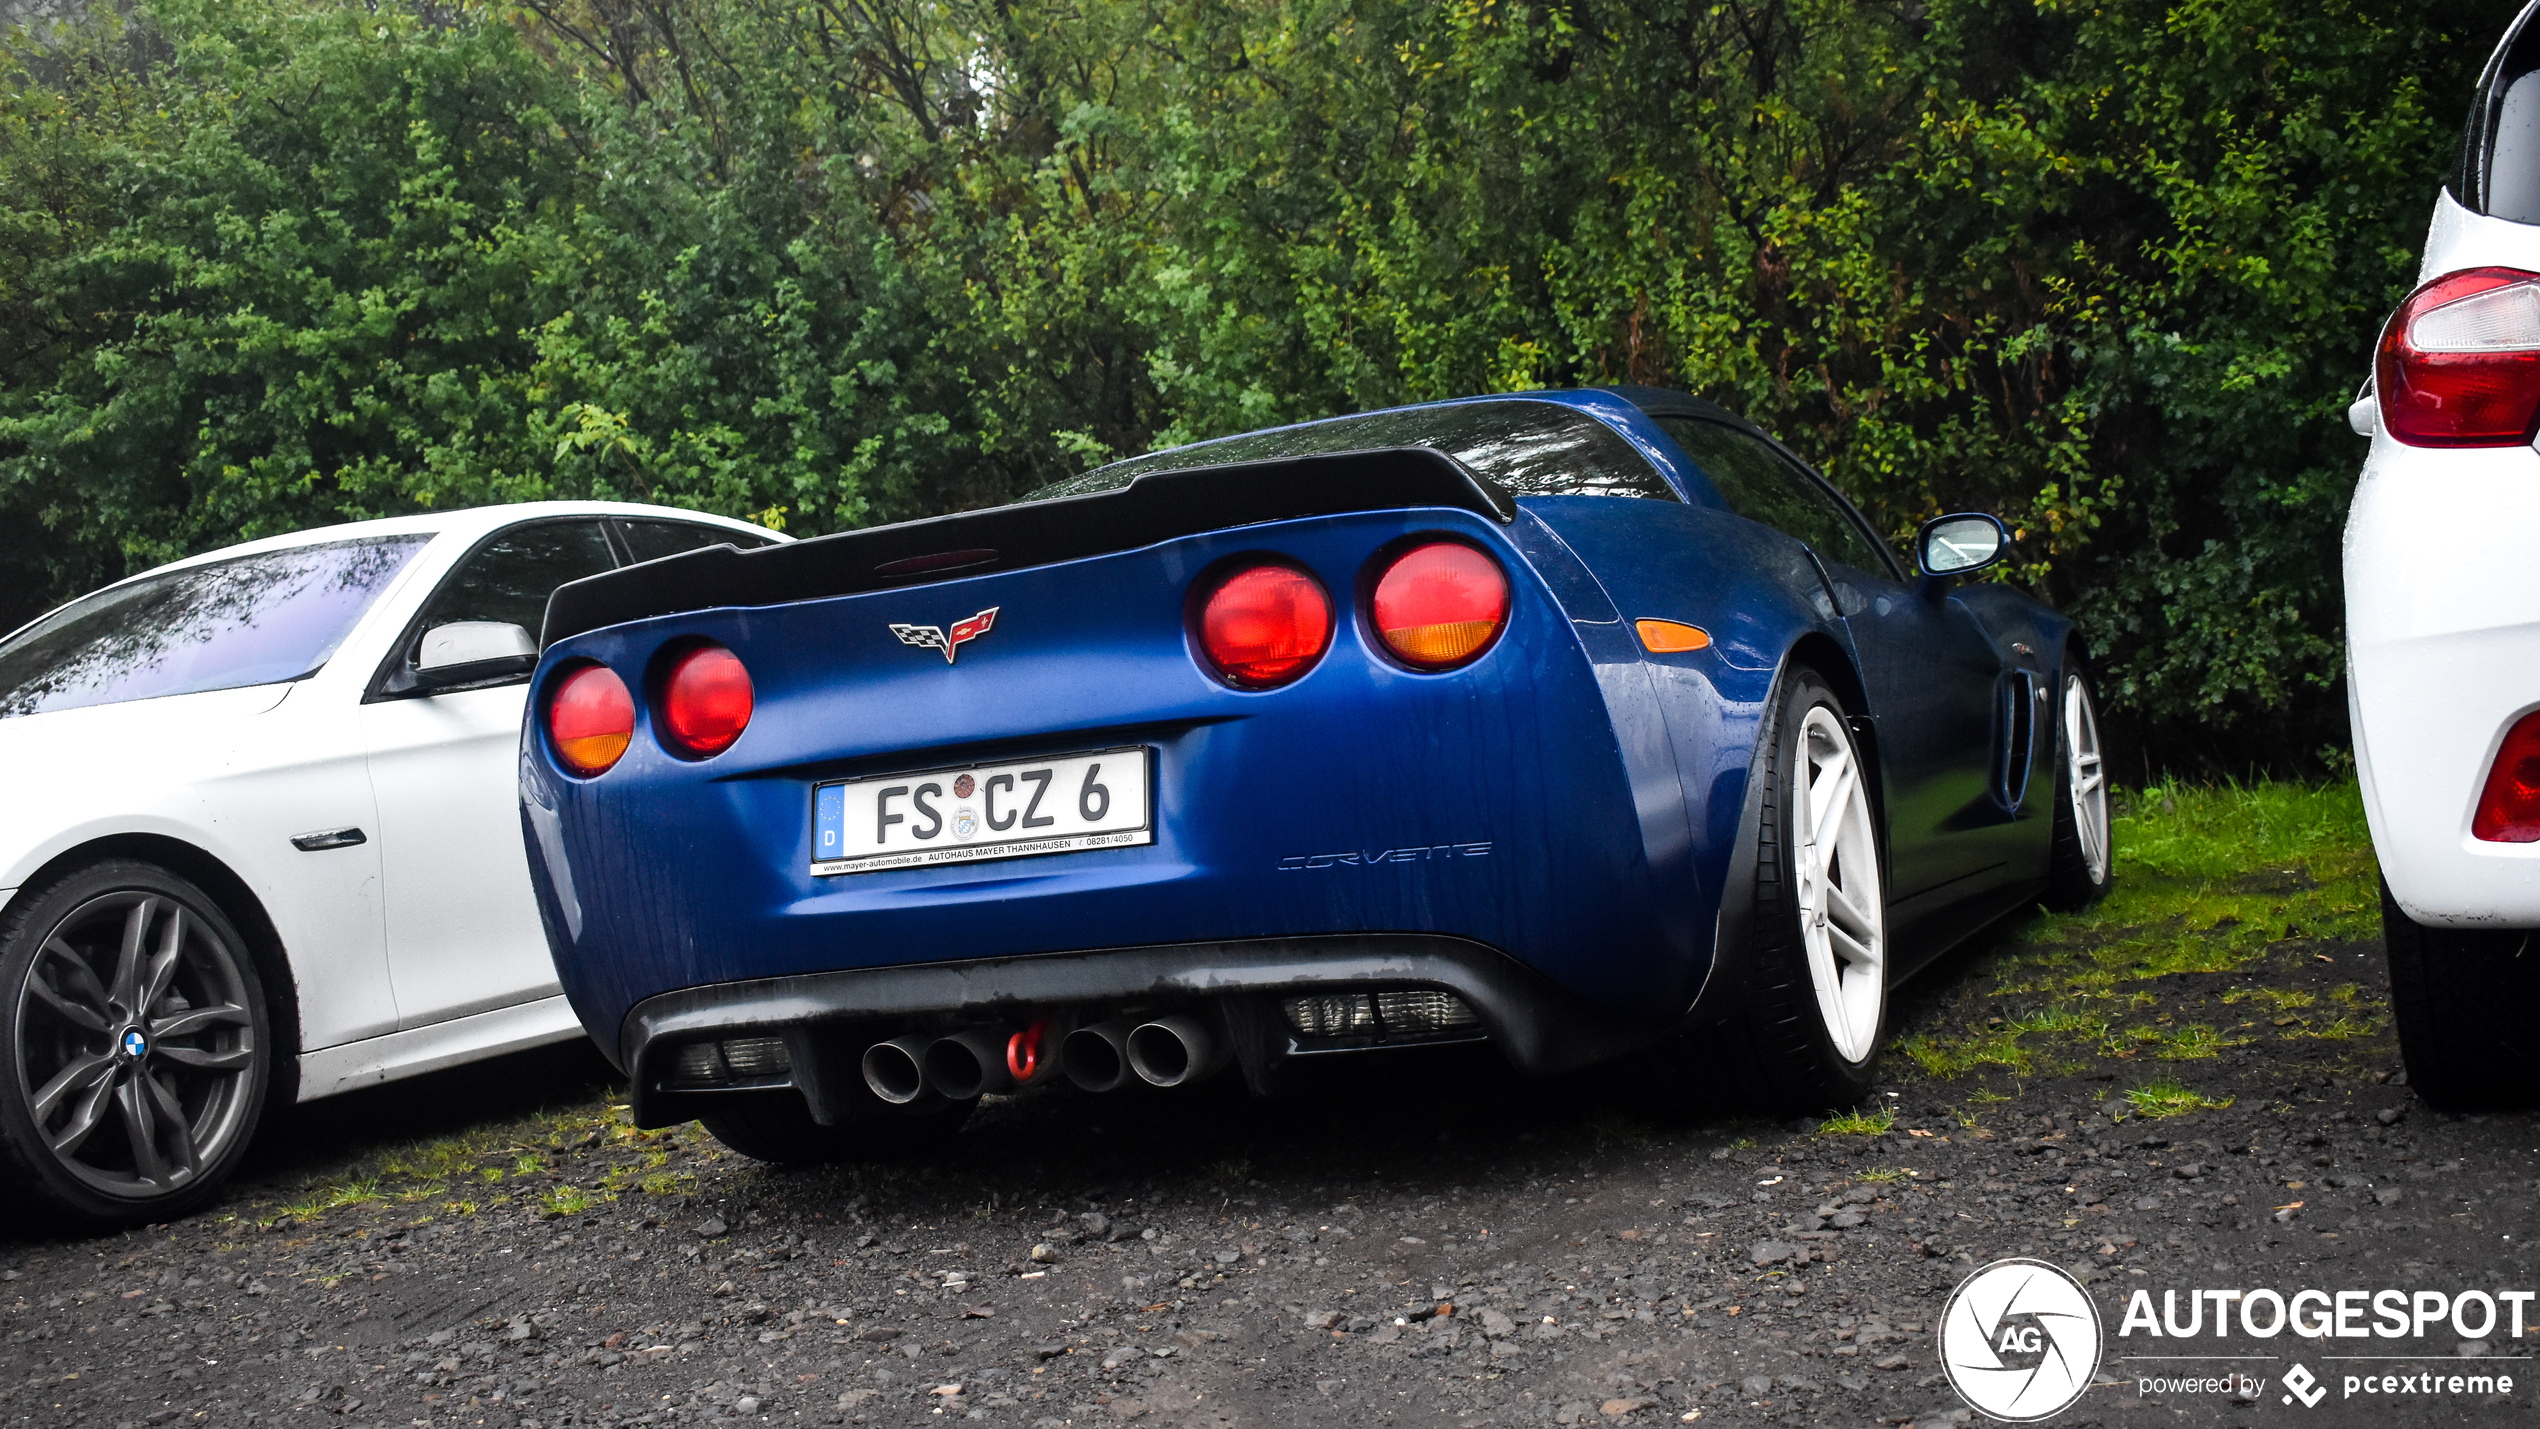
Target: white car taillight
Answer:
pixel 2459 364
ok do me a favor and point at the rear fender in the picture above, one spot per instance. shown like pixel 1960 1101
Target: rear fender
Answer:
pixel 1763 603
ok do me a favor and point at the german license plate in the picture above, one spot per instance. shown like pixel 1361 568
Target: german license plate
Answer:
pixel 1018 810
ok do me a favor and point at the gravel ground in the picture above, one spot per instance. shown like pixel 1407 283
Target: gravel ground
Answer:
pixel 497 1247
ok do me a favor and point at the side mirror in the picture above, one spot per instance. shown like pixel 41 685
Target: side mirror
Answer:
pixel 1956 545
pixel 467 652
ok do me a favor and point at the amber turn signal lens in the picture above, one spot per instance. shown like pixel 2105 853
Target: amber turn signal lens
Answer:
pixel 706 702
pixel 1440 605
pixel 1671 637
pixel 591 718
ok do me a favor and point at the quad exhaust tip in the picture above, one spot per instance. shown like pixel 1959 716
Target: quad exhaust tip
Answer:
pixel 969 1064
pixel 1096 1058
pixel 896 1070
pixel 1171 1051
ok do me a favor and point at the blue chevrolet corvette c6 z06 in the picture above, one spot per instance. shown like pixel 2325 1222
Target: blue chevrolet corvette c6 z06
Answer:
pixel 1572 723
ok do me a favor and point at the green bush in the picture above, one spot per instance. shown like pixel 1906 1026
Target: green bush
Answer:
pixel 2109 269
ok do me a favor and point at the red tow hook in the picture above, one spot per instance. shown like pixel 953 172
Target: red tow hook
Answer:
pixel 1023 1051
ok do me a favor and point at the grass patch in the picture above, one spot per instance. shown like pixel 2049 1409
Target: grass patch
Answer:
pixel 1875 1122
pixel 1942 1055
pixel 2276 999
pixel 1882 1173
pixel 2057 1021
pixel 2212 880
pixel 468 1171
pixel 2191 1043
pixel 2166 1097
pixel 334 1195
pixel 2344 1029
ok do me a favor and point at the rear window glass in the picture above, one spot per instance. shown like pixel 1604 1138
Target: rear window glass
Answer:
pixel 509 578
pixel 251 620
pixel 652 540
pixel 2499 171
pixel 1531 448
pixel 1760 485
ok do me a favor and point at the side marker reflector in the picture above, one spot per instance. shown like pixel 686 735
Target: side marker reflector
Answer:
pixel 1671 637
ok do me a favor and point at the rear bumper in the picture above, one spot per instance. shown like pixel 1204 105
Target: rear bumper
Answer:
pixel 828 1018
pixel 2443 635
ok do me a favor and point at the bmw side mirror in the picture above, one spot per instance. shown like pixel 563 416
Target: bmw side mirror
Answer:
pixel 1958 545
pixel 469 652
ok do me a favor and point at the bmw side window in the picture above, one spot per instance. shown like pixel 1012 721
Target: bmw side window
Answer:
pixel 652 540
pixel 1761 485
pixel 509 578
pixel 249 620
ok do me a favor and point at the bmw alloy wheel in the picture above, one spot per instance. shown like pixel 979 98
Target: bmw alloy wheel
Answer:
pixel 137 1058
pixel 2084 777
pixel 1835 874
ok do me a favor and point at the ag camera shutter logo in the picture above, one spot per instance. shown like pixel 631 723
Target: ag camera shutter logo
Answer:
pixel 2020 1340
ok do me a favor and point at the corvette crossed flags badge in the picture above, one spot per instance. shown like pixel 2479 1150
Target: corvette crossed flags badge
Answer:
pixel 933 637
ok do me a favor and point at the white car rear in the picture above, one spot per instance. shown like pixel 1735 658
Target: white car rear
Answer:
pixel 2443 612
pixel 260 836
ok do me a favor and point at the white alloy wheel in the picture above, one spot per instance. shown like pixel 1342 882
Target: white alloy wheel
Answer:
pixel 2084 777
pixel 1842 912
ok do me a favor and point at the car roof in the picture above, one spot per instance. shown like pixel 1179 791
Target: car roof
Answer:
pixel 1622 407
pixel 466 523
pixel 1667 402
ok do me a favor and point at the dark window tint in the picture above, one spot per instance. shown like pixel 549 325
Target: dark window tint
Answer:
pixel 510 577
pixel 1531 448
pixel 1761 484
pixel 2499 173
pixel 652 540
pixel 252 620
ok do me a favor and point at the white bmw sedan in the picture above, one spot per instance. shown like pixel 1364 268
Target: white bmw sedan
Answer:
pixel 260 837
pixel 2443 612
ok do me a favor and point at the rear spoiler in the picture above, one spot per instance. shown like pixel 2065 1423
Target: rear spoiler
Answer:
pixel 1152 508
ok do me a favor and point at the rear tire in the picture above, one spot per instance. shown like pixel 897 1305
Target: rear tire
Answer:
pixel 1814 1009
pixel 2082 852
pixel 778 1127
pixel 2464 999
pixel 136 1049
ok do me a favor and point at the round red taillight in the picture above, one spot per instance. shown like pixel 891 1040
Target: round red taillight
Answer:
pixel 590 716
pixel 706 702
pixel 1265 626
pixel 1440 605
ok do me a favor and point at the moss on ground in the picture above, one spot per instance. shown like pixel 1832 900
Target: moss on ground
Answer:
pixel 2260 888
pixel 522 1159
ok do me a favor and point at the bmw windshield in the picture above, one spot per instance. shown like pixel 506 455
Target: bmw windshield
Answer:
pixel 250 620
